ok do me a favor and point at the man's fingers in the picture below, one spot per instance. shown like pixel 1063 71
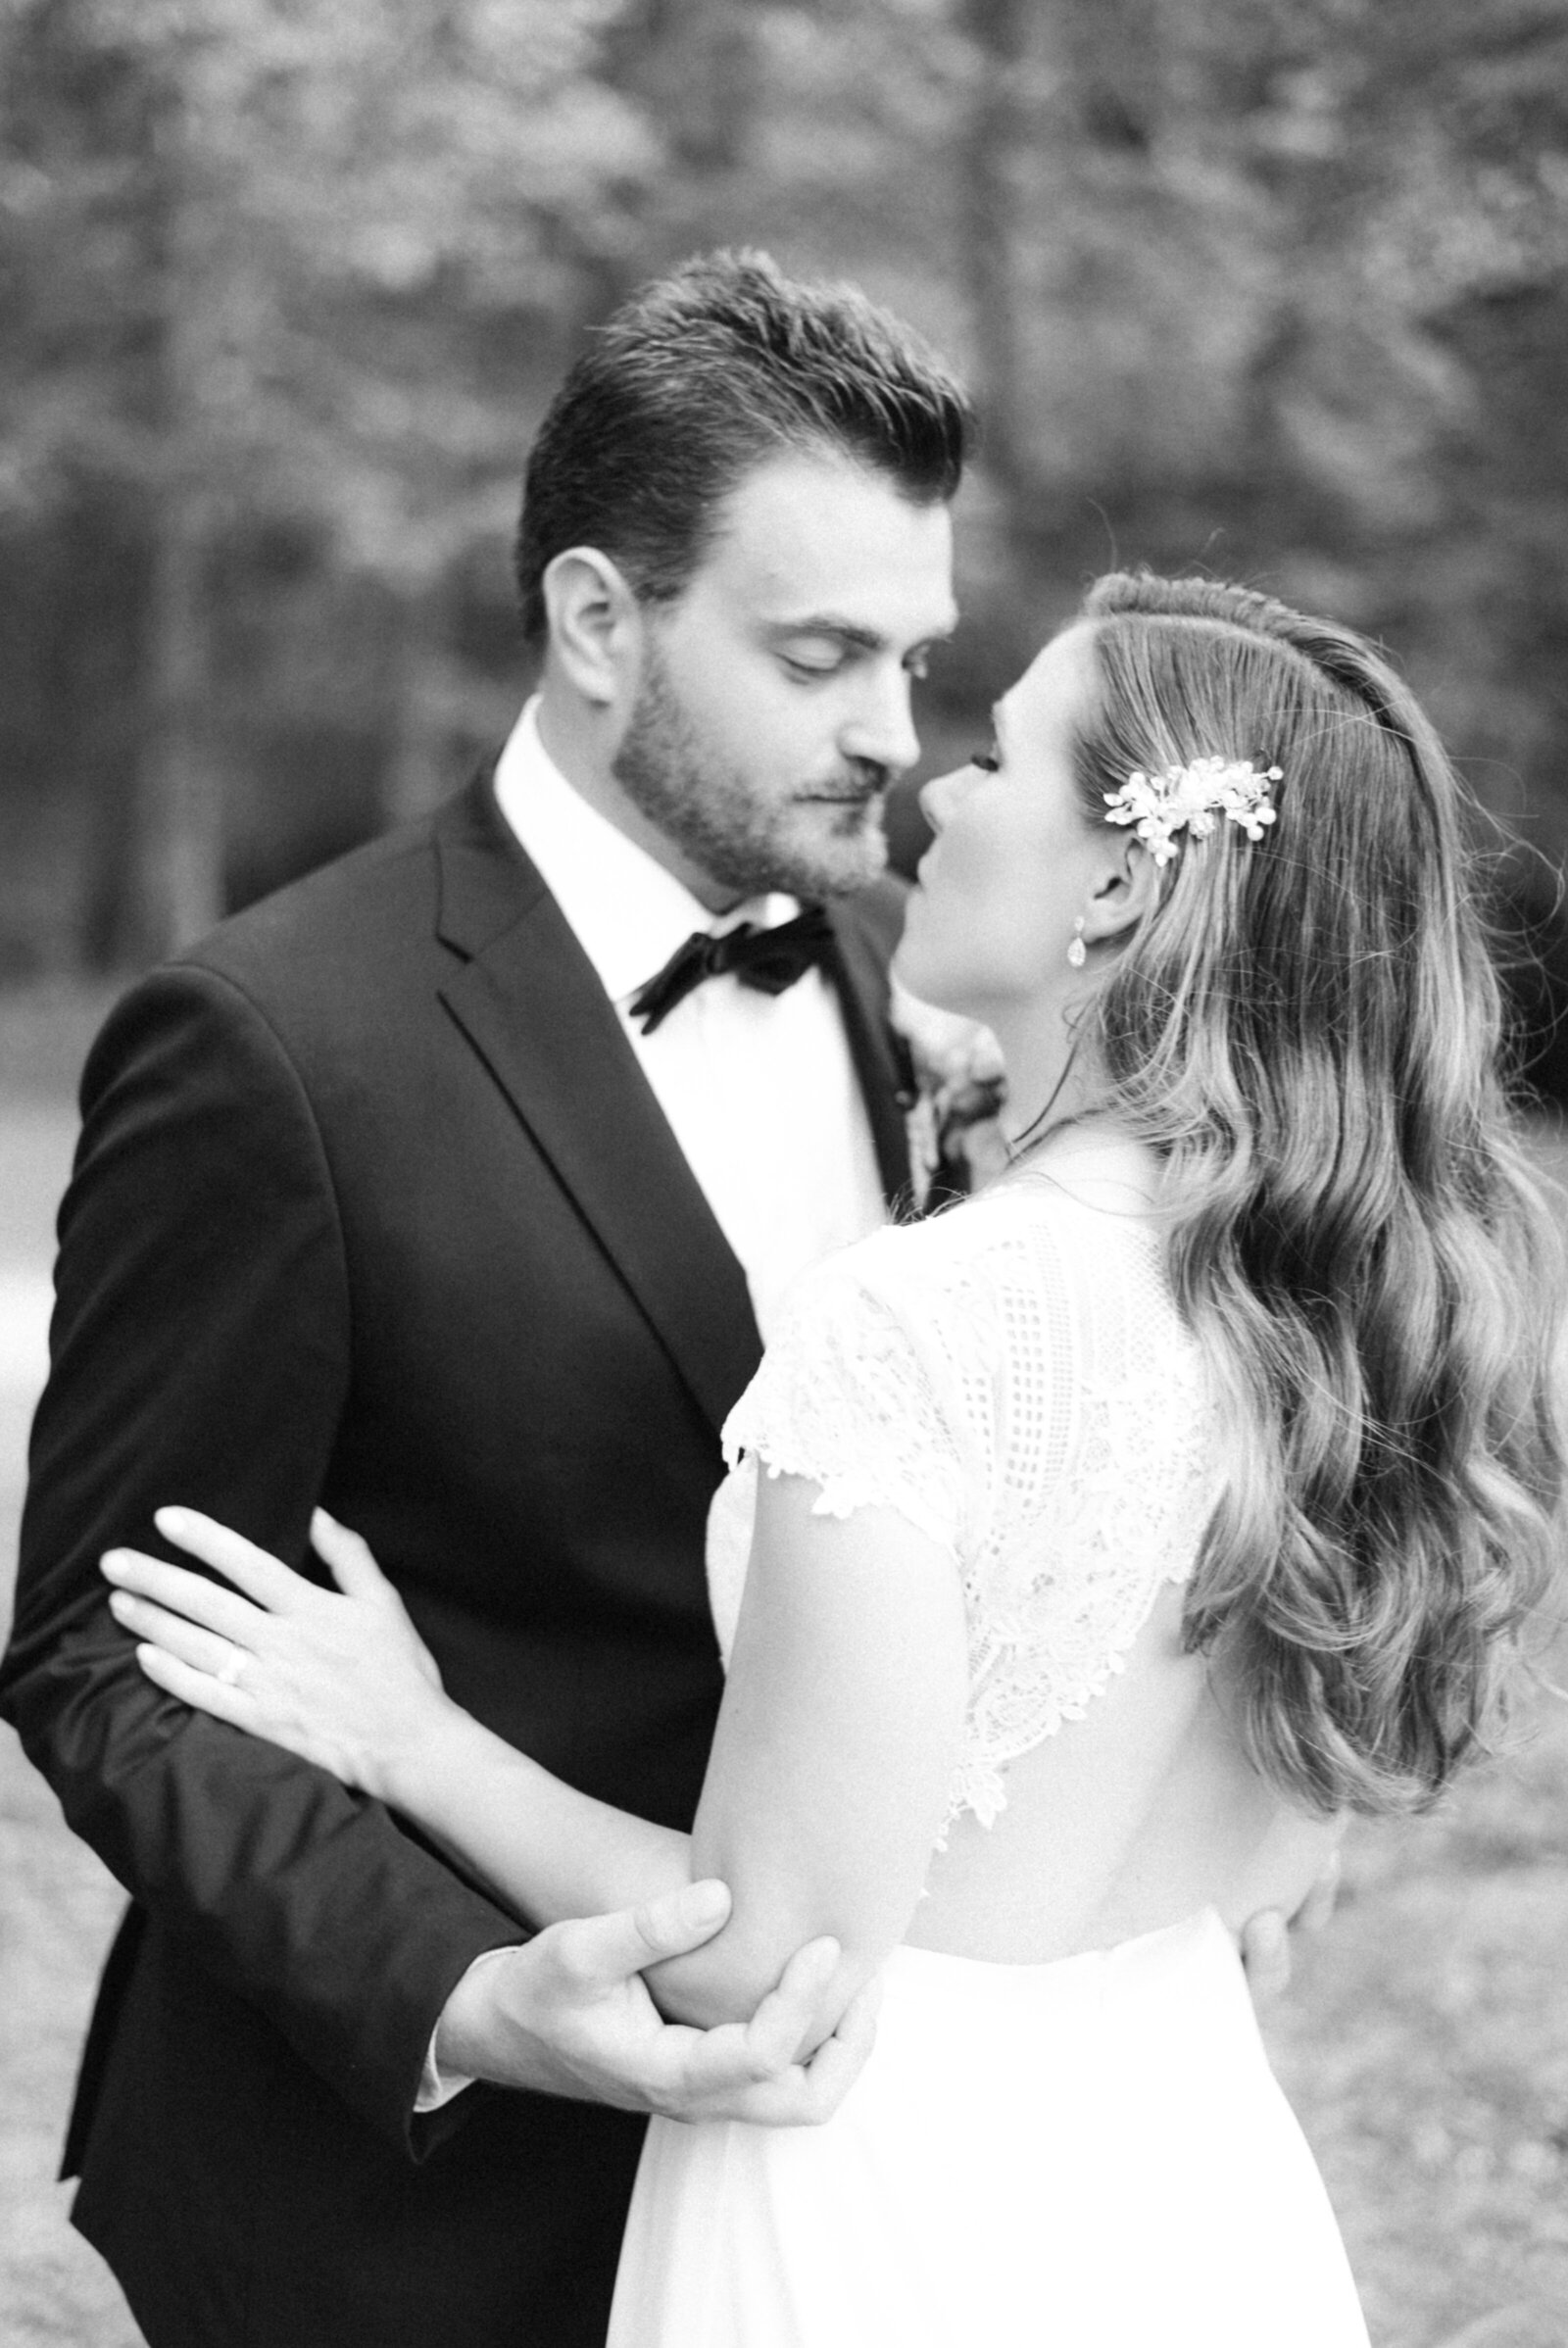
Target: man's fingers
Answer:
pixel 583 2001
pixel 264 1578
pixel 680 1921
pixel 795 2094
pixel 598 1951
pixel 805 1978
pixel 857 2027
pixel 839 2061
pixel 752 2073
pixel 783 2021
pixel 182 1593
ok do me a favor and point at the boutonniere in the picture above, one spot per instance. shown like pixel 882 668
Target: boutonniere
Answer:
pixel 954 1110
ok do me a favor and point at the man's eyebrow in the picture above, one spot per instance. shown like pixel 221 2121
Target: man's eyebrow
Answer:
pixel 852 632
pixel 825 623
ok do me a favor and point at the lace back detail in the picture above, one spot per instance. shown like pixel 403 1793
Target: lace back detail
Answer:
pixel 1015 1379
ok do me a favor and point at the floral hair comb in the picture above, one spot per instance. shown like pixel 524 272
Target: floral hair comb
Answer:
pixel 1194 798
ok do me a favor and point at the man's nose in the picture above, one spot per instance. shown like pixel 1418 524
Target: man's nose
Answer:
pixel 882 731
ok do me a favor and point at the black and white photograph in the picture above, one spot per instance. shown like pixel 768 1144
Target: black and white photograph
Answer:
pixel 783 1173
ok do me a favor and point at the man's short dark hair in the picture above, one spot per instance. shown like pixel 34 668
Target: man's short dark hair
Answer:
pixel 705 375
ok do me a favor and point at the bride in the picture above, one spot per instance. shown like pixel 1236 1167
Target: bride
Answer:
pixel 1088 1550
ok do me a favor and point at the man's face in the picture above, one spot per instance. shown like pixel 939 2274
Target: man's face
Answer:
pixel 773 708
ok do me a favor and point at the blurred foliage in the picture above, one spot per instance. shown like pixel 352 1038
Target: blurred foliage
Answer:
pixel 1279 286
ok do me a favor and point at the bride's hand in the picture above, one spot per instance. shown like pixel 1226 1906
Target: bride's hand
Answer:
pixel 339 1677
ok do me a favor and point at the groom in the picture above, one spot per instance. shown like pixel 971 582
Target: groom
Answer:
pixel 452 1187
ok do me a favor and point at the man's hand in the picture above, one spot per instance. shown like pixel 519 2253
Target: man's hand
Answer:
pixel 1266 1936
pixel 568 2014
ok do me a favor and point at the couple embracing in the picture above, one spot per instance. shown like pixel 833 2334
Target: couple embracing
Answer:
pixel 1078 1555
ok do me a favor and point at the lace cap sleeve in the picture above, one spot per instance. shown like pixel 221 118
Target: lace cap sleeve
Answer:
pixel 844 1397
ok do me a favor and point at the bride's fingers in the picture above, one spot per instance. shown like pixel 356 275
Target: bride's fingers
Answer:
pixel 180 1591
pixel 354 1569
pixel 198 1689
pixel 262 1576
pixel 205 1651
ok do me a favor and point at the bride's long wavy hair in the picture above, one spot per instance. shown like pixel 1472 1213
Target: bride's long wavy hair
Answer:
pixel 1307 1031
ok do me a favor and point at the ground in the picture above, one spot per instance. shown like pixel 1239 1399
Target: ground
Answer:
pixel 1424 2041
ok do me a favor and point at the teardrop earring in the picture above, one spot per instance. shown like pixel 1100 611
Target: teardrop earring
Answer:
pixel 1078 951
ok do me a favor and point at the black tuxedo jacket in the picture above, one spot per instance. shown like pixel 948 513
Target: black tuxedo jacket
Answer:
pixel 374 1207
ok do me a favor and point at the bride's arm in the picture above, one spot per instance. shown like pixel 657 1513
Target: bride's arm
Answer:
pixel 823 1793
pixel 341 1677
pixel 835 1746
pixel 546 1850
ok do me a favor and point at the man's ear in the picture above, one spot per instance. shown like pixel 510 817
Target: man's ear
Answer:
pixel 595 622
pixel 1124 893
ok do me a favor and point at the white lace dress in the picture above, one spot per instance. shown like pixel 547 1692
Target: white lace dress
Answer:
pixel 1091 2153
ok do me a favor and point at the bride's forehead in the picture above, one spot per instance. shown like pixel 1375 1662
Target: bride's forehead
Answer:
pixel 1047 699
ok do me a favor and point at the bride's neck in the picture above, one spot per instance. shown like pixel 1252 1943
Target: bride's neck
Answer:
pixel 1049 1081
pixel 1058 1120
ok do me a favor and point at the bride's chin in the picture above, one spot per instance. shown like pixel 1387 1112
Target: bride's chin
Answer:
pixel 919 974
pixel 906 968
pixel 932 996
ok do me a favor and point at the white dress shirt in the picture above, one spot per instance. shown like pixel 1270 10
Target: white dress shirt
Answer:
pixel 759 1089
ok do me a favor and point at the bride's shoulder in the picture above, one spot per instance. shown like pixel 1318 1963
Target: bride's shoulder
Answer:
pixel 900 1264
pixel 1028 1221
pixel 1059 1219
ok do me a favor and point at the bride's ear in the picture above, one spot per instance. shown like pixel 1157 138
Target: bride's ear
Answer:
pixel 1123 895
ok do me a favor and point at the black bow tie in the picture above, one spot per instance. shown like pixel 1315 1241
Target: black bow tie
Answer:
pixel 769 959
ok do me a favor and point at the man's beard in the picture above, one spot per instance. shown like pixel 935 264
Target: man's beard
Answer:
pixel 738 840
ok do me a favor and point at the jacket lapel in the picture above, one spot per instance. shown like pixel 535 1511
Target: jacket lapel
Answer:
pixel 531 1004
pixel 865 931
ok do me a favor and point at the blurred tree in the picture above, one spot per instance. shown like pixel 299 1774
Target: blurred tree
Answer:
pixel 1234 230
pixel 1281 285
pixel 992 151
pixel 277 258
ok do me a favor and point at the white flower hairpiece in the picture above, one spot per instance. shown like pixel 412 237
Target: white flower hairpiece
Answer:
pixel 1194 798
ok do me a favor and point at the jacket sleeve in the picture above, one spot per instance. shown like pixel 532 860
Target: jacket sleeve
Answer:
pixel 200 1353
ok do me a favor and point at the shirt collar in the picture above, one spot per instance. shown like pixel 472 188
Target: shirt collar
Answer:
pixel 628 913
